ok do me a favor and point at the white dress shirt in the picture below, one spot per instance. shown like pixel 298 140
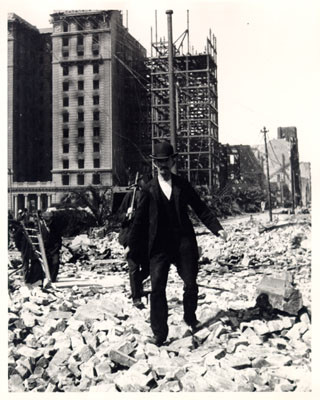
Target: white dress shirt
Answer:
pixel 166 186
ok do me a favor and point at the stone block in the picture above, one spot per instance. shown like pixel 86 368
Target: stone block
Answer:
pixel 141 366
pixel 296 331
pixel 237 361
pixel 88 370
pixel 213 357
pixel 151 350
pixel 83 353
pixel 32 354
pixel 184 343
pixel 288 322
pixel 278 360
pixel 103 368
pixel 260 327
pixel 22 371
pixel 201 335
pixel 281 294
pixel 193 382
pixel 28 319
pixel 15 383
pixel 275 325
pixel 218 383
pixel 132 381
pixel 169 386
pixel 121 358
pixel 76 325
pixel 104 387
pixel 251 336
pixel 61 357
pixel 163 365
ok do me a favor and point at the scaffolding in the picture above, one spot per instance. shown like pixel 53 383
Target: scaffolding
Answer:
pixel 196 107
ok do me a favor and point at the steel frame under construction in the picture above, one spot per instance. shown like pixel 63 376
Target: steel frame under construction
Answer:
pixel 195 105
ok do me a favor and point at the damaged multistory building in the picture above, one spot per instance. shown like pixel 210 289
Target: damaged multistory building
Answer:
pixel 195 106
pixel 78 117
pixel 283 166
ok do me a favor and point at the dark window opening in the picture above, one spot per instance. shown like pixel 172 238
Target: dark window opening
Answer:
pixel 65 41
pixel 96 84
pixel 65 132
pixel 96 163
pixel 80 101
pixel 95 100
pixel 65 86
pixel 65 148
pixel 80 52
pixel 96 147
pixel 80 147
pixel 80 164
pixel 65 179
pixel 81 116
pixel 80 132
pixel 80 40
pixel 80 85
pixel 65 164
pixel 96 131
pixel 65 117
pixel 96 115
pixel 65 101
pixel 80 69
pixel 96 179
pixel 65 70
pixel 95 68
pixel 80 179
pixel 65 27
pixel 65 53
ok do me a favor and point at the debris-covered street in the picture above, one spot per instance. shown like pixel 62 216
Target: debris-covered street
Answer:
pixel 85 334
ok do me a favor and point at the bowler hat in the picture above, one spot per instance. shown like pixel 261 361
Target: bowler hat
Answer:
pixel 163 150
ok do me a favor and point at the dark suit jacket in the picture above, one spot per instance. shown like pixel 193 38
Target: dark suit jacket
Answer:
pixel 146 218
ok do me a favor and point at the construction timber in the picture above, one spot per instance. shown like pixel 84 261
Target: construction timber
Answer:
pixel 196 108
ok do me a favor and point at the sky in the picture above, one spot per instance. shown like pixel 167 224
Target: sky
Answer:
pixel 268 56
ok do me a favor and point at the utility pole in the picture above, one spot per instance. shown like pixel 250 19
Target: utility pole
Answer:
pixel 172 88
pixel 264 131
pixel 293 194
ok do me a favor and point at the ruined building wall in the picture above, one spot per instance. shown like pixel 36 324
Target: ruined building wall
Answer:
pixel 29 101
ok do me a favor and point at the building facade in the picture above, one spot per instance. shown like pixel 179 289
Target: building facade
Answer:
pixel 76 106
pixel 95 99
pixel 29 114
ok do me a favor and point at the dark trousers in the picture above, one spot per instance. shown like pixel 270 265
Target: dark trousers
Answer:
pixel 187 267
pixel 137 273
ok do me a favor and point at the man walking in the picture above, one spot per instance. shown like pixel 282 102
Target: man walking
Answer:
pixel 162 214
pixel 138 267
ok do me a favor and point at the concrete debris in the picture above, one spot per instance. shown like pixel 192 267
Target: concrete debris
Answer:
pixel 255 333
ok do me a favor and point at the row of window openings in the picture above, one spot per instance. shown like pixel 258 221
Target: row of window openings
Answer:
pixel 96 116
pixel 80 27
pixel 80 179
pixel 80 52
pixel 80 68
pixel 65 148
pixel 95 101
pixel 80 41
pixel 96 132
pixel 95 85
pixel 96 163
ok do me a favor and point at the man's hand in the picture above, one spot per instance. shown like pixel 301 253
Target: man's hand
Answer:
pixel 126 251
pixel 223 235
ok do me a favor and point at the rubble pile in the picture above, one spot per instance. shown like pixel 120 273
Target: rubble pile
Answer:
pixel 91 338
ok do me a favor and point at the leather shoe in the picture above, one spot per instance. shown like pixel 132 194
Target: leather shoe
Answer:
pixel 195 325
pixel 138 304
pixel 156 340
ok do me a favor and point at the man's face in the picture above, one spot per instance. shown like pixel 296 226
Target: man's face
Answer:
pixel 164 167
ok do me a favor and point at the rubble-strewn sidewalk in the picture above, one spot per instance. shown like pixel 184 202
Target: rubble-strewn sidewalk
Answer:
pixel 90 338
